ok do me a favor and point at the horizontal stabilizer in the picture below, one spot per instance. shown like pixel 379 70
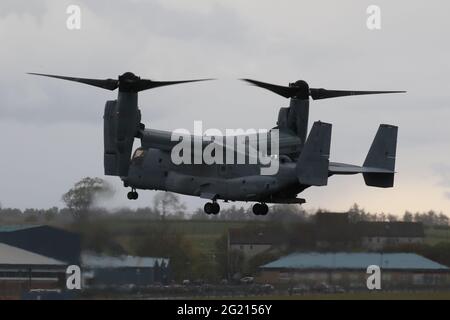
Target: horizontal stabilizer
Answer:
pixel 379 167
pixel 343 169
pixel 312 164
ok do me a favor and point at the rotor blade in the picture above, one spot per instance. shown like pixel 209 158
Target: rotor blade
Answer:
pixel 149 84
pixel 286 92
pixel 318 94
pixel 109 84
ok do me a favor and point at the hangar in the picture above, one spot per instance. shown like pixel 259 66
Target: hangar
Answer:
pixel 45 240
pixel 22 271
pixel 349 270
pixel 109 271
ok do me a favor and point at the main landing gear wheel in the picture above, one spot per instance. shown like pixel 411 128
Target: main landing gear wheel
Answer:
pixel 211 208
pixel 132 195
pixel 260 209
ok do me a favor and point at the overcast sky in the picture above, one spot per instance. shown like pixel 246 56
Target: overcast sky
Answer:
pixel 51 131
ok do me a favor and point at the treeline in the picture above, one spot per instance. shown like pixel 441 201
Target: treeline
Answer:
pixel 83 198
pixel 428 218
pixel 175 210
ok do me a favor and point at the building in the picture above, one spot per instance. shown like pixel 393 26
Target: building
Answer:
pixel 44 240
pixel 22 271
pixel 349 270
pixel 106 271
pixel 328 231
pixel 334 231
pixel 378 235
pixel 253 242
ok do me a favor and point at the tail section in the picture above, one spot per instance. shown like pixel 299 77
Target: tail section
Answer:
pixel 382 156
pixel 313 162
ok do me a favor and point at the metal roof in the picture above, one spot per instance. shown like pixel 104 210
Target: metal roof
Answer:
pixel 342 260
pixel 12 228
pixel 10 255
pixel 100 261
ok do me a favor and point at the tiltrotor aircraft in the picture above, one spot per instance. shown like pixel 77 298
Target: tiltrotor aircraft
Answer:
pixel 303 160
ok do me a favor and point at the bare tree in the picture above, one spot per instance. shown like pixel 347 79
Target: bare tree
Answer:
pixel 167 203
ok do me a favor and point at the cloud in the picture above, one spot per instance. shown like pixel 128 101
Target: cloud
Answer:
pixel 442 173
pixel 22 7
pixel 326 43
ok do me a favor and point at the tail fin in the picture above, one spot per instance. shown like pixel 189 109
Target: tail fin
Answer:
pixel 382 156
pixel 312 164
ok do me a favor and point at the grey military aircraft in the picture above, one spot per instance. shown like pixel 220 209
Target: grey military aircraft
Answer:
pixel 302 159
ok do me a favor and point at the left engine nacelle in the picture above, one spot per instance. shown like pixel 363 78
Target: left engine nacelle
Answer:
pixel 119 130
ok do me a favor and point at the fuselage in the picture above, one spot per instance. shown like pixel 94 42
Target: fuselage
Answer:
pixel 153 169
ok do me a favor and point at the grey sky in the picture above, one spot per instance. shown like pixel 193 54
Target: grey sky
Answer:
pixel 51 131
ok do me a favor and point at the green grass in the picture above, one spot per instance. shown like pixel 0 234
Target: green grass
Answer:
pixel 445 295
pixel 190 227
pixel 204 234
pixel 434 235
pixel 204 243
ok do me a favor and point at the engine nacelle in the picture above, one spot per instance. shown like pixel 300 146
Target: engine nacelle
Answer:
pixel 120 127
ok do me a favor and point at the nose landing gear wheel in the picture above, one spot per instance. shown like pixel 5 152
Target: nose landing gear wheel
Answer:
pixel 132 195
pixel 260 209
pixel 211 208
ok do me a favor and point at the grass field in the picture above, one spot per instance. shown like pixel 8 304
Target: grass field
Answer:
pixel 361 296
pixel 204 234
pixel 434 235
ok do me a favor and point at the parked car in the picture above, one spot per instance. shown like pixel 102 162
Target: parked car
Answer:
pixel 186 282
pixel 300 289
pixel 338 289
pixel 322 287
pixel 267 288
pixel 247 280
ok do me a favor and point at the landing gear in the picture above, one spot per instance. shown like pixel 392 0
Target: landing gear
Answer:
pixel 211 208
pixel 260 209
pixel 132 195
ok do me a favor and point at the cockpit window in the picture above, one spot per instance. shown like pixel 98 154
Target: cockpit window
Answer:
pixel 139 153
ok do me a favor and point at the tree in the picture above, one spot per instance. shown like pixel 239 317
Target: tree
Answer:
pixel 408 217
pixel 261 259
pixel 288 213
pixel 392 218
pixel 82 196
pixel 443 220
pixel 163 241
pixel 168 203
pixel 355 213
